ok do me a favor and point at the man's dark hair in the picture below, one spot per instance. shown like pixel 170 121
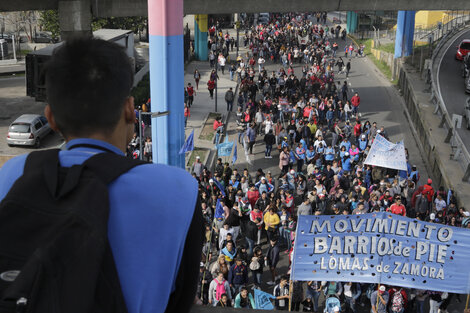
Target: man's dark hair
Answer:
pixel 87 83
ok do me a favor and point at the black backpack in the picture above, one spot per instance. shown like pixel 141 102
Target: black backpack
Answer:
pixel 54 250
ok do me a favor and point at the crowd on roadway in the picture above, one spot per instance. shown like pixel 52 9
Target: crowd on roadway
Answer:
pixel 315 125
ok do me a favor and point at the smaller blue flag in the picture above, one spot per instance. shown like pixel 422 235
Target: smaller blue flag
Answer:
pixel 216 182
pixel 219 210
pixel 234 157
pixel 449 196
pixel 263 300
pixel 188 144
pixel 224 149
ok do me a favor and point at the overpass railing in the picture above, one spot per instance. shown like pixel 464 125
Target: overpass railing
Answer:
pixel 439 31
pixel 459 152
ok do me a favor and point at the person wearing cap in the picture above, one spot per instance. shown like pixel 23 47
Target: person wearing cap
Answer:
pixel 197 167
pixel 291 177
pixel 263 186
pixel 382 300
pixel 428 192
pixel 238 275
pixel 203 284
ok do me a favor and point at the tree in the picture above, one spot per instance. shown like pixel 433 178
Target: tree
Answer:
pixel 49 21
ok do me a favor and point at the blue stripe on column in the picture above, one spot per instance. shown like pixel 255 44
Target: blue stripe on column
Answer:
pixel 167 94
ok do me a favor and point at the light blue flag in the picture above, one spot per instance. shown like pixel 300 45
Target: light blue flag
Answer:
pixel 188 144
pixel 263 300
pixel 234 157
pixel 224 149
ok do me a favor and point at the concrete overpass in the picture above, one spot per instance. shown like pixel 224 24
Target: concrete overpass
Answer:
pixel 166 40
pixel 107 8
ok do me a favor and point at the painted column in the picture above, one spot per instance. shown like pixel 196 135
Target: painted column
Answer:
pixel 200 36
pixel 351 22
pixel 167 79
pixel 405 33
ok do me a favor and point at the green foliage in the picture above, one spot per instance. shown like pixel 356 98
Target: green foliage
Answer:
pixel 49 20
pixel 141 92
pixel 134 23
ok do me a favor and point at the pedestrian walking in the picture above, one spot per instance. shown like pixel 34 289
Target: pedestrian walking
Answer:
pixel 197 77
pixel 211 87
pixel 229 97
pixel 187 114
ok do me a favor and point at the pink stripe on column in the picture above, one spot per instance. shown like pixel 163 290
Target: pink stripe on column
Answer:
pixel 165 17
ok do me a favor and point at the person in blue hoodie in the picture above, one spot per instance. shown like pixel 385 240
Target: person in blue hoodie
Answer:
pixel 346 162
pixel 362 142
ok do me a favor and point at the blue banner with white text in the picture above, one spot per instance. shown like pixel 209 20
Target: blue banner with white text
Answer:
pixel 382 248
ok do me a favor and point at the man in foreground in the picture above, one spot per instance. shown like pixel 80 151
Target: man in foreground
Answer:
pixel 88 85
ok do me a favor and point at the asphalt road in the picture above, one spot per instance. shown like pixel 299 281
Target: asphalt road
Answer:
pixel 451 84
pixel 13 103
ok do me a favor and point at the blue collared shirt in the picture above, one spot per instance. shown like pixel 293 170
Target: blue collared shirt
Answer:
pixel 149 204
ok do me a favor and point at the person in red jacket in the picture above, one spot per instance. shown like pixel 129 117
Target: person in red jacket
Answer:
pixel 355 101
pixel 253 195
pixel 428 191
pixel 211 87
pixel 397 207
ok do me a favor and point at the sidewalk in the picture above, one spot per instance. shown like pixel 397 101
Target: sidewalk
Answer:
pixel 203 104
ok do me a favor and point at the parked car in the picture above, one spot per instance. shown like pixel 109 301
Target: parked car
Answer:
pixel 28 130
pixel 462 49
pixel 44 38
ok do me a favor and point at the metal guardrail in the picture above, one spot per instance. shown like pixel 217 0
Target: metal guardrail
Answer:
pixel 437 32
pixel 460 152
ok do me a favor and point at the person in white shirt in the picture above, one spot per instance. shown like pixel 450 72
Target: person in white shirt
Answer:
pixel 261 62
pixel 221 61
pixel 318 141
pixel 439 203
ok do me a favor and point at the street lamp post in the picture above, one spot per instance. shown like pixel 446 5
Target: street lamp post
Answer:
pixel 216 76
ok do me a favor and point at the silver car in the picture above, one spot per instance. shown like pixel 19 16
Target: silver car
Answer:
pixel 28 130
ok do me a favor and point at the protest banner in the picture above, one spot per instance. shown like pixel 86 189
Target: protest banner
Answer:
pixel 382 248
pixel 383 153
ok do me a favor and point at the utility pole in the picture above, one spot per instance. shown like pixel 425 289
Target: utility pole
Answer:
pixel 216 79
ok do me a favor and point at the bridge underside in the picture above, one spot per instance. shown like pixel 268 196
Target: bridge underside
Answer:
pixel 107 8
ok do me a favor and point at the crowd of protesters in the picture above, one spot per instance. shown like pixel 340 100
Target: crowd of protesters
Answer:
pixel 314 122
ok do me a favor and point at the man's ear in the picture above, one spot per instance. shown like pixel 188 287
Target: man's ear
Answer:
pixel 129 114
pixel 50 118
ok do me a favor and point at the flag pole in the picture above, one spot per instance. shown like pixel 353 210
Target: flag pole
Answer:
pixel 290 294
pixel 377 304
pixel 466 303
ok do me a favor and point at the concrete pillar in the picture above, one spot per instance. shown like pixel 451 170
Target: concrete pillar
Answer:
pixel 351 22
pixel 200 36
pixel 74 18
pixel 405 33
pixel 167 79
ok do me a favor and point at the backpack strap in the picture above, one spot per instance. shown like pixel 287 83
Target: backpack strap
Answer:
pixel 60 181
pixel 109 166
